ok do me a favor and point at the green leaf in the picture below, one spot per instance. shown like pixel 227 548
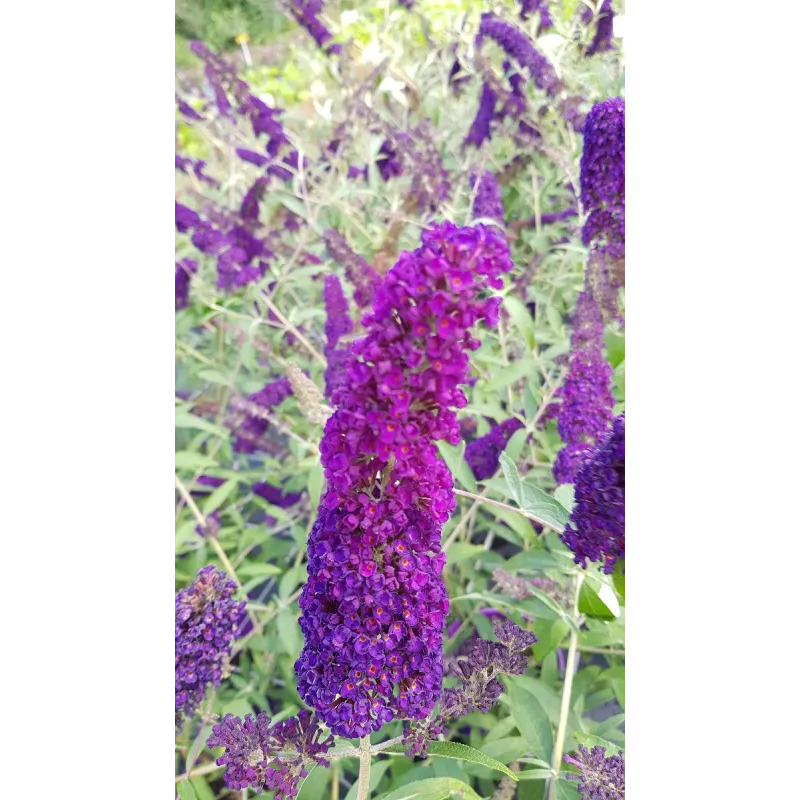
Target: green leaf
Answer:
pixel 565 494
pixel 185 419
pixel 522 319
pixel 252 569
pixel 289 632
pixel 186 791
pixel 540 505
pixel 535 774
pixel 434 789
pixel 462 752
pixel 531 720
pixel 599 604
pixel 454 458
pixel 619 580
pixel 219 496
pixel 513 480
pixel 186 459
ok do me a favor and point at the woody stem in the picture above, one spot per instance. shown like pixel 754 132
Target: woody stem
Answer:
pixel 363 770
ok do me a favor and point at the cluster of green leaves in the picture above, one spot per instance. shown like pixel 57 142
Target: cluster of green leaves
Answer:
pixel 231 344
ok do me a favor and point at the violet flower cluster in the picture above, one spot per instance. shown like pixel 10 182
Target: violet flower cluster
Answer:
pixel 337 324
pixel 205 627
pixel 260 755
pixel 306 14
pixel 375 604
pixel 184 269
pixel 250 424
pixel 479 687
pixel 488 200
pixel 530 7
pixel 189 166
pixel 481 128
pixel 519 47
pixel 275 496
pixel 601 777
pixel 362 277
pixel 483 454
pixel 596 528
pixel 604 32
pixel 584 403
pixel 603 196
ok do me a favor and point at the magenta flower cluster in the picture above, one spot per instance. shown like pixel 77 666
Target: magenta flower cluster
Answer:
pixel 584 401
pixel 596 529
pixel 362 277
pixel 374 606
pixel 483 454
pixel 260 755
pixel 205 628
pixel 337 324
pixel 601 777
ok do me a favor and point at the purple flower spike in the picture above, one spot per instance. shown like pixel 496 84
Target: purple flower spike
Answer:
pixel 375 604
pixel 183 272
pixel 530 7
pixel 337 324
pixel 205 628
pixel 584 403
pixel 596 529
pixel 601 778
pixel 488 201
pixel 481 129
pixel 521 49
pixel 604 33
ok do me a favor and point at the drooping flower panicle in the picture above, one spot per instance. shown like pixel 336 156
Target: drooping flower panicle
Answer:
pixel 256 755
pixel 205 628
pixel 488 200
pixel 374 606
pixel 337 325
pixel 596 529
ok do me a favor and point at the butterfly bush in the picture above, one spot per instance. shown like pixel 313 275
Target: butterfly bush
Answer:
pixel 374 606
pixel 596 528
pixel 601 777
pixel 488 200
pixel 362 277
pixel 602 41
pixel 251 421
pixel 530 7
pixel 206 617
pixel 337 324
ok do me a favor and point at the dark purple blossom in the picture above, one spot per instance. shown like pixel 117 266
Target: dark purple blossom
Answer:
pixel 305 13
pixel 375 604
pixel 530 7
pixel 479 686
pixel 604 32
pixel 252 199
pixel 187 111
pixel 205 627
pixel 481 128
pixel 183 271
pixel 488 200
pixel 602 777
pixel 275 757
pixel 596 529
pixel 337 324
pixel 251 157
pixel 519 47
pixel 388 162
pixel 362 277
pixel 196 167
pixel 483 454
pixel 275 496
pixel 584 400
pixel 185 218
